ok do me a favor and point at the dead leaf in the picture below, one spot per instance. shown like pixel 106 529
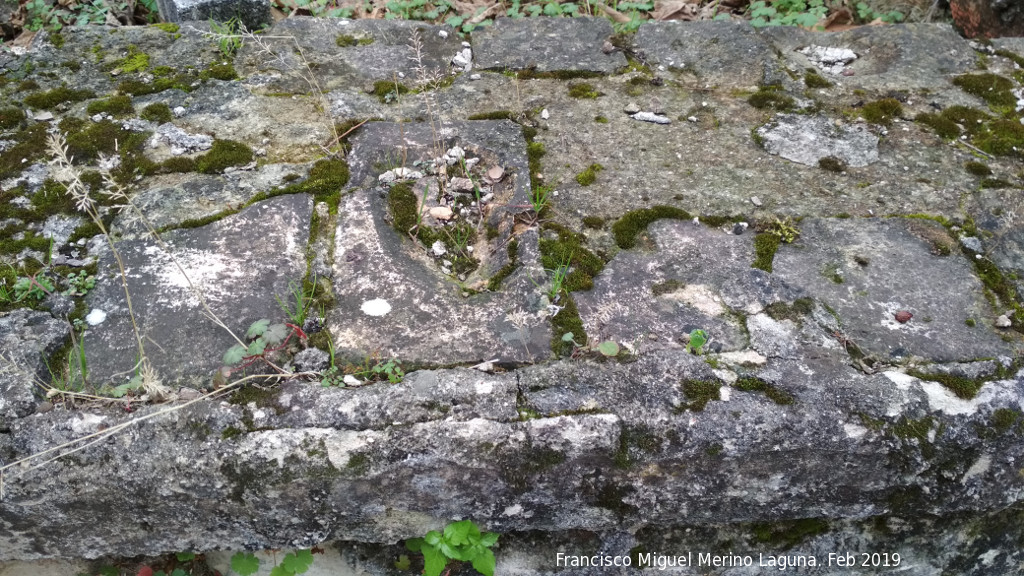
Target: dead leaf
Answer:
pixel 841 17
pixel 676 10
pixel 613 13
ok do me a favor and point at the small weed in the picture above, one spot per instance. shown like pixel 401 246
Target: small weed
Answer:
pixel 461 542
pixel 539 198
pixel 607 348
pixel 247 564
pixel 805 14
pixel 695 345
pixel 297 313
pixel 229 39
pixel 263 339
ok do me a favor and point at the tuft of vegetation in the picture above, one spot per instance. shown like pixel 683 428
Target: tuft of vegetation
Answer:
pixel 388 91
pixel 220 71
pixel 627 228
pixel 992 88
pixel 771 98
pixel 814 80
pixel 347 40
pixel 832 164
pixel 589 176
pixel 755 384
pixel 966 388
pixel 10 117
pixel 223 154
pixel 882 112
pixel 51 98
pixel 699 393
pixel 159 113
pixel 977 168
pixel 119 105
pixel 765 247
pixel 583 90
pixel 567 248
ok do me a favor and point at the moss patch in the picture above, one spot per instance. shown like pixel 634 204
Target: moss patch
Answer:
pixel 882 111
pixel 158 112
pixel 346 40
pixel 814 80
pixel 560 245
pixel 832 164
pixel 567 320
pixel 595 222
pixel 404 207
pixel 135 61
pixel 513 257
pixel 139 88
pixel 755 384
pixel 699 393
pixel 666 287
pixel 771 98
pixel 785 535
pixel 600 119
pixel 965 388
pixel 10 117
pixel 221 71
pixel 495 115
pixel 388 91
pixel 627 228
pixel 168 27
pixel 115 106
pixel 781 311
pixel 992 88
pixel 583 90
pixel 51 98
pixel 223 154
pixel 766 245
pixel 977 169
pixel 589 176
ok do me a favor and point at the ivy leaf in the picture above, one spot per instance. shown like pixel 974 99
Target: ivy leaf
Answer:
pixel 245 564
pixel 298 562
pixel 233 356
pixel 257 347
pixel 258 328
pixel 484 563
pixel 276 334
pixel 403 562
pixel 489 539
pixel 433 561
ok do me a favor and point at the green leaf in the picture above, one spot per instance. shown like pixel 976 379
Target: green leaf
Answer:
pixel 608 348
pixel 185 556
pixel 457 533
pixel 489 539
pixel 552 9
pixel 281 571
pixel 433 538
pixel 276 334
pixel 298 562
pixel 455 21
pixel 257 328
pixel 245 563
pixel 433 561
pixel 179 572
pixel 567 337
pixel 414 544
pixel 484 563
pixel 256 347
pixel 234 355
pixel 403 562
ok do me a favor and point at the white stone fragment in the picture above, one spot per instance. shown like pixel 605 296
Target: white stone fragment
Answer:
pixel 442 33
pixel 96 317
pixel 438 248
pixel 376 307
pixel 351 380
pixel 651 117
pixel 544 115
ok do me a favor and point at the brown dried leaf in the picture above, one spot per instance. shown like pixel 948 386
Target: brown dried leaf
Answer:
pixel 613 13
pixel 841 19
pixel 676 10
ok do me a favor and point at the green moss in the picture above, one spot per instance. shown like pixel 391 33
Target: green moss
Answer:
pixel 495 281
pixel 627 228
pixel 105 137
pixel 221 71
pixel 965 388
pixel 994 183
pixel 135 61
pixel 600 119
pixel 832 164
pixel 1003 419
pixel 559 245
pixel 182 164
pixel 72 65
pixel 1002 137
pixel 970 322
pixel 755 384
pixel 666 287
pixel 699 393
pixel 882 111
pixel 358 464
pixel 56 39
pixel 977 168
pixel 785 535
pixel 231 432
pixel 46 100
pixel 496 115
pixel 10 117
pixel 533 74
pixel 589 176
pixel 326 177
pixel 909 428
pixel 567 320
pixel 765 246
pixel 831 272
pixel 994 281
pixel 26 85
pixel 168 27
pixel 223 154
pixel 162 71
pixel 346 40
pixel 814 80
pixel 388 91
pixel 595 222
pixel 138 88
pixel 158 112
pixel 404 206
pixel 991 88
pixel 115 106
pixel 781 311
pixel 583 90
pixel 28 241
pixel 534 152
pixel 771 98
pixel 30 145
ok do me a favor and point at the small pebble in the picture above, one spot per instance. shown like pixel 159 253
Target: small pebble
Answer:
pixel 1003 321
pixel 739 228
pixel 544 114
pixel 756 201
pixel 474 76
pixel 903 316
pixel 631 108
